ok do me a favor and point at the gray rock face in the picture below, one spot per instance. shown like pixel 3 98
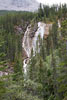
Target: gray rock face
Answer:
pixel 19 5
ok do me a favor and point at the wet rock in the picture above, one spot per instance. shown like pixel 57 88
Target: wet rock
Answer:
pixel 33 30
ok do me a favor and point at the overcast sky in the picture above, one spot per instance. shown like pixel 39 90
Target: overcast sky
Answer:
pixel 50 2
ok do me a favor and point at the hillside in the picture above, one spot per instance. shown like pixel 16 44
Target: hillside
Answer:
pixel 33 54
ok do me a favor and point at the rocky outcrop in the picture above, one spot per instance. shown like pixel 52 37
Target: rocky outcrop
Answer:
pixel 47 29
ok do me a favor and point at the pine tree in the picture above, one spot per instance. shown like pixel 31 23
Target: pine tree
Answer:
pixel 18 68
pixel 40 11
pixel 62 77
pixel 2 65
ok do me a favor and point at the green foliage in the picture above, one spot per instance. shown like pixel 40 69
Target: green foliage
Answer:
pixel 46 77
pixel 46 13
pixel 51 97
pixel 2 89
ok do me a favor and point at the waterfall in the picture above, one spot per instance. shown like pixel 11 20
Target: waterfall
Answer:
pixel 27 41
pixel 30 43
pixel 40 32
pixel 59 26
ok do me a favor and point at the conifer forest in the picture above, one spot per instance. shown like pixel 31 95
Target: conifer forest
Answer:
pixel 33 54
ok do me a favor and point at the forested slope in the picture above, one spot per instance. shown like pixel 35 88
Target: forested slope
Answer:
pixel 46 70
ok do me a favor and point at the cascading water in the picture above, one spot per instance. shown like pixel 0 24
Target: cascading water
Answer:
pixel 30 43
pixel 59 26
pixel 40 32
pixel 27 41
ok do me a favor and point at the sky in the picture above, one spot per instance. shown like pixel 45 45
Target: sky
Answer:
pixel 50 2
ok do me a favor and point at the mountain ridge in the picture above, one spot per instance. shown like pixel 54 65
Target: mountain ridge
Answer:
pixel 19 5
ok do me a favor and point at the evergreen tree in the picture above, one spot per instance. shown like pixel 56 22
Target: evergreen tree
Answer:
pixel 18 68
pixel 63 63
